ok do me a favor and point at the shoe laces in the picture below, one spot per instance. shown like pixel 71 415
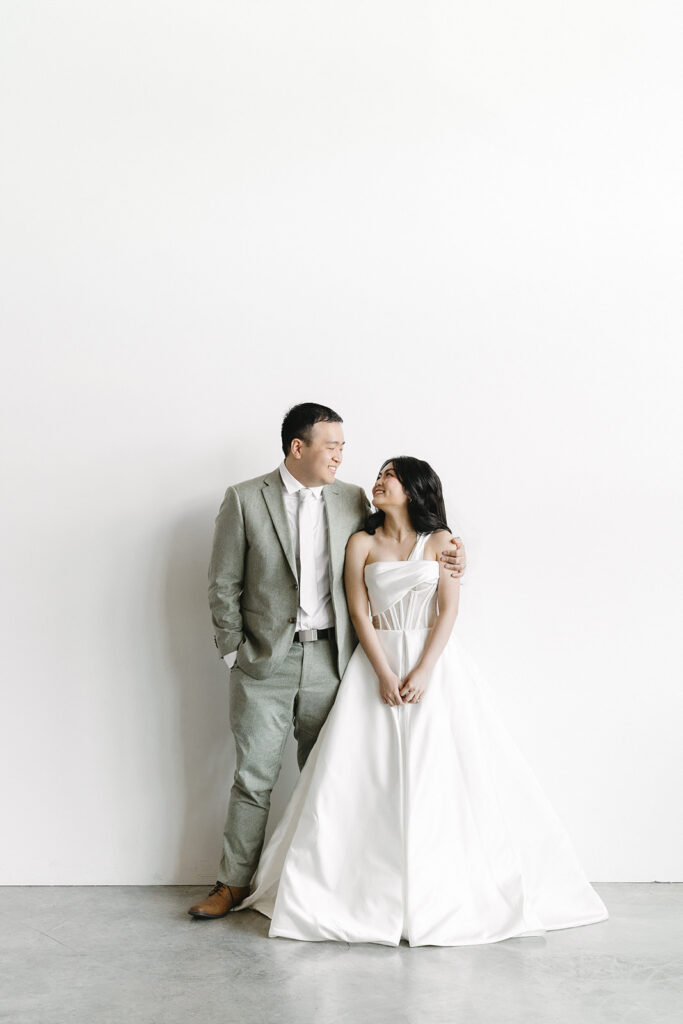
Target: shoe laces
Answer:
pixel 217 888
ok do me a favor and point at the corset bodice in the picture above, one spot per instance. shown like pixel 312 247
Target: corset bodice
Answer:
pixel 403 594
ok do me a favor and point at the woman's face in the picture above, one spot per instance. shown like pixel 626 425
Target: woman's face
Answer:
pixel 388 491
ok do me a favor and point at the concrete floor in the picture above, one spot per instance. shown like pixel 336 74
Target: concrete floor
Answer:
pixel 131 954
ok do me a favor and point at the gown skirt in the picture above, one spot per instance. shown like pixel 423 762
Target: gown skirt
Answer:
pixel 421 822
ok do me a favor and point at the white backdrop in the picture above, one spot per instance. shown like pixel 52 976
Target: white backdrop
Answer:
pixel 459 225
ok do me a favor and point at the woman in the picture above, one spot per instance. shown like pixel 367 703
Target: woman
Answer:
pixel 415 816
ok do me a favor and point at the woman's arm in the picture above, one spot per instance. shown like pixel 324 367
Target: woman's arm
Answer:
pixel 448 597
pixel 357 599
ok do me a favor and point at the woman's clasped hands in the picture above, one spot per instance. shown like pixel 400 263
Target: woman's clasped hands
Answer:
pixel 411 690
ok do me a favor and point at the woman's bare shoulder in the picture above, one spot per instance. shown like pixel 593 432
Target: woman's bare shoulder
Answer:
pixel 359 541
pixel 438 542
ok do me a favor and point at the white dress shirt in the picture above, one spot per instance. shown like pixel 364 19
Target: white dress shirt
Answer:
pixel 323 615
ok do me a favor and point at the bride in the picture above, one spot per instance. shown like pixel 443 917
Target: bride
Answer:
pixel 415 817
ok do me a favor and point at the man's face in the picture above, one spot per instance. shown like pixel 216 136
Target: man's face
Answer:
pixel 317 462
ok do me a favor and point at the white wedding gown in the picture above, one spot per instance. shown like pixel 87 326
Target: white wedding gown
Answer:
pixel 422 821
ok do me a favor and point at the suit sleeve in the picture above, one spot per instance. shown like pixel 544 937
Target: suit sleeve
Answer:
pixel 226 573
pixel 365 506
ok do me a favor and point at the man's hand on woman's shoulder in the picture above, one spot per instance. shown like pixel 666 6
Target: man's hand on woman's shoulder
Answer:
pixel 452 556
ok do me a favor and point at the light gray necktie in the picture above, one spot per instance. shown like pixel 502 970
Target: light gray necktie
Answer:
pixel 308 584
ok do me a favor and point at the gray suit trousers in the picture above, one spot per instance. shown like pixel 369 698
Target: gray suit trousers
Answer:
pixel 262 712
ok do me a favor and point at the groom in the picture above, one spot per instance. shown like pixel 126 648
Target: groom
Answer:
pixel 276 590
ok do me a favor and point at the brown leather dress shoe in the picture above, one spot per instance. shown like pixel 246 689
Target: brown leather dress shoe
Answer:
pixel 220 900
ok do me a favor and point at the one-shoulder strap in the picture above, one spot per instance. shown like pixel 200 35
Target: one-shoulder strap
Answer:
pixel 416 553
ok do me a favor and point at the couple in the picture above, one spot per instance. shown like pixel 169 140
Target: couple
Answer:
pixel 415 816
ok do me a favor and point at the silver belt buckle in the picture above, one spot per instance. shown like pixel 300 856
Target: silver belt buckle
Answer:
pixel 308 634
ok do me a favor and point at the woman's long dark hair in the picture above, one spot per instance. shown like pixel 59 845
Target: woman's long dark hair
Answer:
pixel 426 507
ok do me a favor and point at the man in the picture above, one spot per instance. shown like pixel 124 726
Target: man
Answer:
pixel 276 590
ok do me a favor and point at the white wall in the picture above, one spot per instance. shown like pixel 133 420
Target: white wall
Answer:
pixel 459 224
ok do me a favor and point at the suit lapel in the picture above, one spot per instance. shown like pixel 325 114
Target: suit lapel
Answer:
pixel 335 536
pixel 272 493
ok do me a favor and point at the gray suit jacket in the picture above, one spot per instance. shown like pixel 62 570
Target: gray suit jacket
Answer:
pixel 253 585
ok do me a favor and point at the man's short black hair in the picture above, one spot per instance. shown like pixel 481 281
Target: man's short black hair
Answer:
pixel 301 419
